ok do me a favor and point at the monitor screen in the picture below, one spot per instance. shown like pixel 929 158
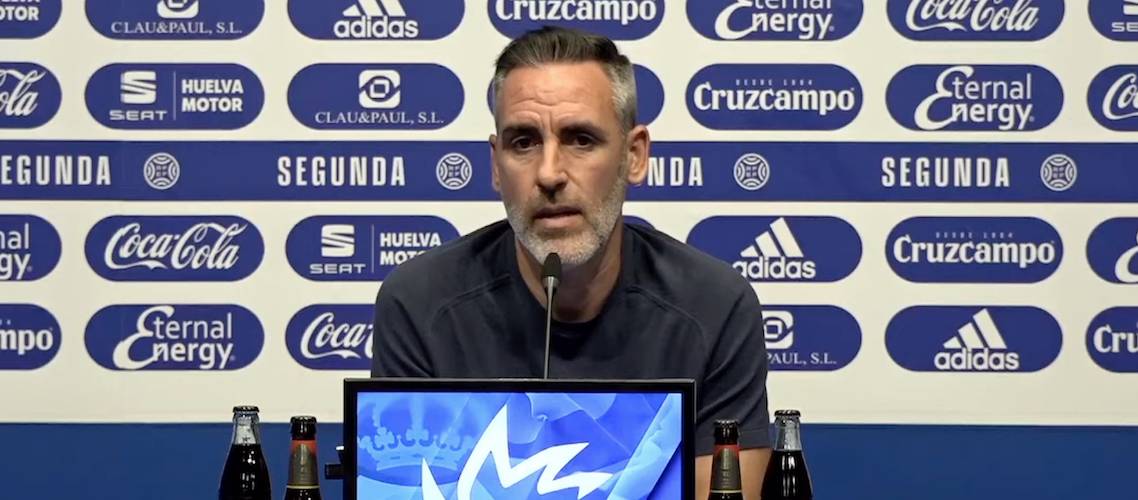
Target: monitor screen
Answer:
pixel 519 440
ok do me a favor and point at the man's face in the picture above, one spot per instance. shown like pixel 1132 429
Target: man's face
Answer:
pixel 561 160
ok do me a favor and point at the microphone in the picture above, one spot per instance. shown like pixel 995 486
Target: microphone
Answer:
pixel 550 278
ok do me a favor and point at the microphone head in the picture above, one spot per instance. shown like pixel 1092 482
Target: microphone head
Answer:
pixel 551 268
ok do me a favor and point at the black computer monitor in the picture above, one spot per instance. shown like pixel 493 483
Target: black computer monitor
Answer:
pixel 506 439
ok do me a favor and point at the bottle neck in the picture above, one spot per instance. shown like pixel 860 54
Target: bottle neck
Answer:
pixel 302 465
pixel 788 434
pixel 246 428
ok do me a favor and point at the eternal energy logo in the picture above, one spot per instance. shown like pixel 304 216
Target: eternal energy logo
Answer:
pixel 1112 339
pixel 174 248
pixel 375 96
pixel 332 336
pixel 963 20
pixel 174 96
pixel 774 97
pixel 175 19
pixel 29 337
pixel 974 97
pixel 29 248
pixel 974 249
pixel 375 19
pixel 616 19
pixel 1115 19
pixel 361 248
pixel 29 95
pixel 1113 97
pixel 787 248
pixel 174 337
pixel 973 338
pixel 811 20
pixel 28 18
pixel 821 338
pixel 1113 250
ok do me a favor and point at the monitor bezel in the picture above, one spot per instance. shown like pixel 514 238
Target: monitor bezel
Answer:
pixel 685 387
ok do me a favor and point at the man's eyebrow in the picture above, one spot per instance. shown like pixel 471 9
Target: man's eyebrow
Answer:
pixel 517 129
pixel 583 127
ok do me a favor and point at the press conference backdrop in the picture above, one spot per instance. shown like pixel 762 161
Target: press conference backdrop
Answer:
pixel 934 199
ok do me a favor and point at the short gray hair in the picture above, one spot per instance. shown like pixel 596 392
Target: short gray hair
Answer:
pixel 552 44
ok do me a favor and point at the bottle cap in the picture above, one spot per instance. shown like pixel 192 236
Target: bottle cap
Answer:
pixel 303 426
pixel 245 409
pixel 726 431
pixel 787 413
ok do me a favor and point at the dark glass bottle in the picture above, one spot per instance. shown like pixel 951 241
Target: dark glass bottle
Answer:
pixel 787 477
pixel 303 481
pixel 726 478
pixel 246 474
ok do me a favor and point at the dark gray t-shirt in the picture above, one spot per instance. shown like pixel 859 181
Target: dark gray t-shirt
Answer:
pixel 462 310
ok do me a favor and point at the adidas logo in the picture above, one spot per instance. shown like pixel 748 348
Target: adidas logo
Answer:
pixel 775 254
pixel 977 346
pixel 376 19
pixel 1130 7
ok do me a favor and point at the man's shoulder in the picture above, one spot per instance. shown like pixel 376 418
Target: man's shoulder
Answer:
pixel 452 268
pixel 682 274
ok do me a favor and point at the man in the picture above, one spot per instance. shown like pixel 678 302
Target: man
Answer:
pixel 633 303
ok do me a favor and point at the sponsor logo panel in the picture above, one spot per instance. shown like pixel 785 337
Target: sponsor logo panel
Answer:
pixel 28 18
pixel 976 20
pixel 996 98
pixel 784 248
pixel 802 338
pixel 1115 19
pixel 1113 250
pixel 175 19
pixel 376 19
pixel 332 336
pixel 174 337
pixel 1112 339
pixel 29 95
pixel 375 96
pixel 174 96
pixel 974 249
pixel 805 20
pixel 29 248
pixel 174 248
pixel 973 338
pixel 29 337
pixel 616 19
pixel 1113 98
pixel 774 97
pixel 361 248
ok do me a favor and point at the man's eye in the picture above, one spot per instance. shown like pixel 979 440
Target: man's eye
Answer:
pixel 582 140
pixel 521 143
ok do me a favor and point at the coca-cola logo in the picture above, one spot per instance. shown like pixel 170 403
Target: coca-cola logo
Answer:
pixel 1113 98
pixel 181 248
pixel 332 336
pixel 976 19
pixel 29 95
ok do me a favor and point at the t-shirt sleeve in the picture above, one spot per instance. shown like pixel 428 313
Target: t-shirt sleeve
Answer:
pixel 397 345
pixel 734 385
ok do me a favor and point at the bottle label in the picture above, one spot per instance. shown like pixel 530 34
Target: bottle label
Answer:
pixel 302 465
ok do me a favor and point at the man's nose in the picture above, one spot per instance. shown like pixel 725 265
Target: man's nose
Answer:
pixel 551 174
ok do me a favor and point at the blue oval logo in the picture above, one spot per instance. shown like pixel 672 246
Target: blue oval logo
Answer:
pixel 174 248
pixel 24 19
pixel 174 337
pixel 809 20
pixel 29 337
pixel 1113 250
pixel 649 95
pixel 375 19
pixel 1115 19
pixel 789 248
pixel 332 336
pixel 361 248
pixel 375 96
pixel 972 20
pixel 973 339
pixel 1113 97
pixel 29 95
pixel 774 97
pixel 174 96
pixel 615 19
pixel 175 19
pixel 29 248
pixel 1112 339
pixel 974 97
pixel 810 338
pixel 974 249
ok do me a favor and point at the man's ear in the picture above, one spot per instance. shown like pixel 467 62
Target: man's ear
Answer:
pixel 494 163
pixel 639 144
